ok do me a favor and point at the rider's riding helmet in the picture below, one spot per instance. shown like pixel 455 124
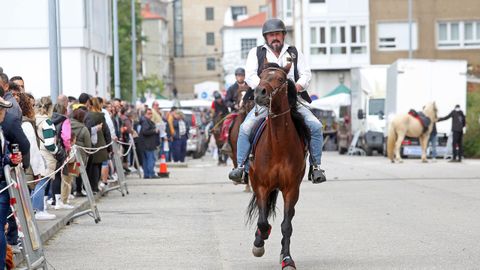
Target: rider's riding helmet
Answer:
pixel 240 71
pixel 217 95
pixel 273 25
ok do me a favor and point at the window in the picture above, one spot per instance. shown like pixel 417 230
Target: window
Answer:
pixel 393 36
pixel 236 11
pixel 318 40
pixel 210 63
pixel 288 9
pixel 337 40
pixel 316 1
pixel 358 39
pixel 458 34
pixel 209 13
pixel 247 45
pixel 210 38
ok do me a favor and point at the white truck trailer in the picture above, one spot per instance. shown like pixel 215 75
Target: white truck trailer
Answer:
pixel 412 83
pixel 368 88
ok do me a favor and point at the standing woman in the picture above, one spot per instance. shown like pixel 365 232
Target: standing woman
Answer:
pixel 83 139
pixel 95 117
pixel 48 148
pixel 37 162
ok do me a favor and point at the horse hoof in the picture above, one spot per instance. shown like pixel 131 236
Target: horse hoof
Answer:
pixel 258 251
pixel 289 268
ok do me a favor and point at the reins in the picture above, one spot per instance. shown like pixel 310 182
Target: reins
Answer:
pixel 274 92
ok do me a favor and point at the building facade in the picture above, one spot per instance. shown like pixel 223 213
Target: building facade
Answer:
pixel 197 43
pixel 441 29
pixel 86 40
pixel 156 57
pixel 238 40
pixel 333 36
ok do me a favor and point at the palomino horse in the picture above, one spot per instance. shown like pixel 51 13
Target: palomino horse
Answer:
pixel 407 125
pixel 278 163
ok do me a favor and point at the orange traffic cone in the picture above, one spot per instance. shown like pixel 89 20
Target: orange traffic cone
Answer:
pixel 163 167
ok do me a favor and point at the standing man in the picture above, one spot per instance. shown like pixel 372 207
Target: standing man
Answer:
pixel 149 135
pixel 458 123
pixel 276 51
pixel 18 81
pixel 231 98
pixel 6 159
pixel 432 140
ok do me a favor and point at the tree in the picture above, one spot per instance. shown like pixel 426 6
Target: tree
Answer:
pixel 125 46
pixel 151 84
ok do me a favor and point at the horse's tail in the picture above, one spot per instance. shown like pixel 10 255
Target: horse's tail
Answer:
pixel 392 138
pixel 252 209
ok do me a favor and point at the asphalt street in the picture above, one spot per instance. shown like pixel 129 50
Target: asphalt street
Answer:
pixel 371 214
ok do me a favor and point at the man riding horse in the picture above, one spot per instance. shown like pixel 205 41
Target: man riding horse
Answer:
pixel 276 51
pixel 240 86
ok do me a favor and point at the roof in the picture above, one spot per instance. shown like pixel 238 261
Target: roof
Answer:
pixel 253 21
pixel 147 14
pixel 341 89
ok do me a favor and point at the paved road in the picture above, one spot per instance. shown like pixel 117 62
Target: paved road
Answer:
pixel 370 215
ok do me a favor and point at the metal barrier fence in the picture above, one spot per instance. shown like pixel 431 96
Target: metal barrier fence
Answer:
pixel 21 203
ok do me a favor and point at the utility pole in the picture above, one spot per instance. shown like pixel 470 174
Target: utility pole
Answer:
pixel 410 29
pixel 134 55
pixel 116 57
pixel 55 49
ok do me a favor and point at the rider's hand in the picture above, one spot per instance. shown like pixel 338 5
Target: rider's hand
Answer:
pixel 298 87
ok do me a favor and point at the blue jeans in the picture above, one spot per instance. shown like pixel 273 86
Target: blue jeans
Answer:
pixel 315 126
pixel 179 149
pixel 4 211
pixel 433 140
pixel 148 163
pixel 38 193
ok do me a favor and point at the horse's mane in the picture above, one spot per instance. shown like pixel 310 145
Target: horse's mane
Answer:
pixel 297 118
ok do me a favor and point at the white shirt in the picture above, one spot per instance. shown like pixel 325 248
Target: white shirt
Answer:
pixel 251 68
pixel 37 162
pixel 109 122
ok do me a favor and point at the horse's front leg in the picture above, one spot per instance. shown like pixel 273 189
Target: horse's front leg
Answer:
pixel 263 228
pixel 398 144
pixel 424 143
pixel 290 199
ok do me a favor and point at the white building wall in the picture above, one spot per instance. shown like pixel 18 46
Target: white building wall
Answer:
pixel 85 33
pixel 232 48
pixel 329 68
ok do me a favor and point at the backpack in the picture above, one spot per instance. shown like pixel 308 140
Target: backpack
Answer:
pixel 261 56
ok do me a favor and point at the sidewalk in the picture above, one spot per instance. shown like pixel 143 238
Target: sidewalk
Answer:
pixel 49 228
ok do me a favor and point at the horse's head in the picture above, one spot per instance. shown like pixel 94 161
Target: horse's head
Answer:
pixel 430 110
pixel 273 80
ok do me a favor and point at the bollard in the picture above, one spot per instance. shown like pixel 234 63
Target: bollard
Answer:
pixel 135 157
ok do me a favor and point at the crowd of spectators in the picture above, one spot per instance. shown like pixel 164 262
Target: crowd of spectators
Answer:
pixel 40 134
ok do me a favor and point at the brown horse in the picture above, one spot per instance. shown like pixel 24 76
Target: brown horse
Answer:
pixel 244 108
pixel 278 163
pixel 217 135
pixel 407 125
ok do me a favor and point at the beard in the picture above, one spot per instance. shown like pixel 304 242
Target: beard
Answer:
pixel 276 45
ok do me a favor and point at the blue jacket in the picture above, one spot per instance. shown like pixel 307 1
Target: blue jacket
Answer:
pixel 12 129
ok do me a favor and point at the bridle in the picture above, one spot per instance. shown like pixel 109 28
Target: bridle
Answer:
pixel 276 91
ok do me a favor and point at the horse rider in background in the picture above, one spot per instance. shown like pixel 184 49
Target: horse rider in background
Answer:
pixel 275 50
pixel 231 99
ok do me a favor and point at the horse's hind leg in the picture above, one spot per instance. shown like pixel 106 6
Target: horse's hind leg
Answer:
pixel 424 143
pixel 263 228
pixel 290 199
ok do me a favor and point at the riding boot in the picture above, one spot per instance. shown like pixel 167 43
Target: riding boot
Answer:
pixel 317 175
pixel 236 175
